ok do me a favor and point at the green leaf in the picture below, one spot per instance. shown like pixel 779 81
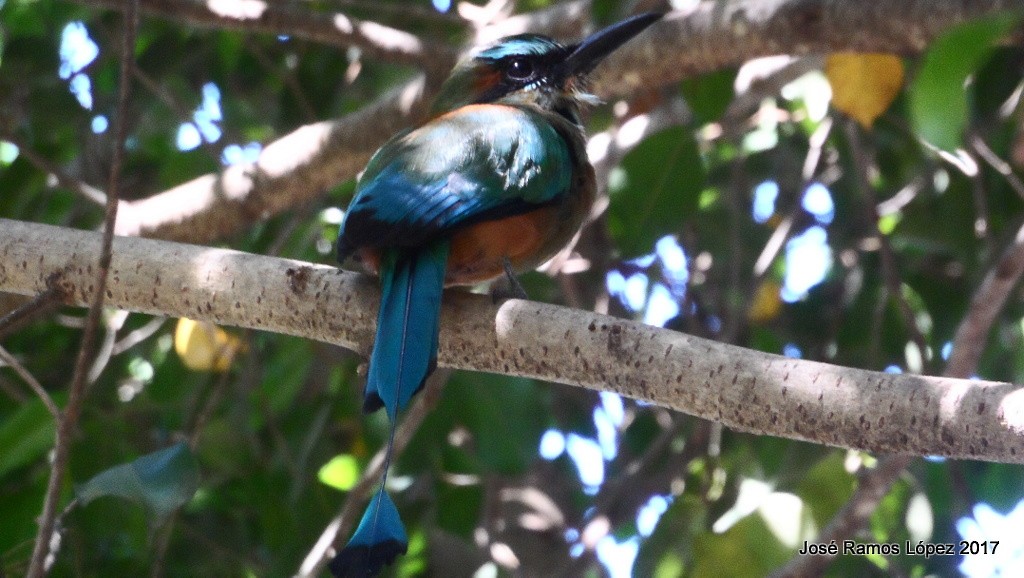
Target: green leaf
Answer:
pixel 461 515
pixel 657 189
pixel 709 96
pixel 506 420
pixel 162 481
pixel 25 436
pixel 888 520
pixel 938 102
pixel 285 375
pixel 342 472
pixel 826 488
pixel 504 414
pixel 746 549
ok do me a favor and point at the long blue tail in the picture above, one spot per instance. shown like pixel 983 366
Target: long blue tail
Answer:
pixel 404 355
pixel 405 349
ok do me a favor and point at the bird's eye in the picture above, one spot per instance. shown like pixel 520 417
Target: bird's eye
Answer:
pixel 519 69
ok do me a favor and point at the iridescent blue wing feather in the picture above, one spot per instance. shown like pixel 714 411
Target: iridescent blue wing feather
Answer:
pixel 478 163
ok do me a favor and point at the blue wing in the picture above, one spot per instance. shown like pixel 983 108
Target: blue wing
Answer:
pixel 477 163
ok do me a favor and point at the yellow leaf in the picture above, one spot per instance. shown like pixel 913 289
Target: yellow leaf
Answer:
pixel 864 85
pixel 202 346
pixel 767 303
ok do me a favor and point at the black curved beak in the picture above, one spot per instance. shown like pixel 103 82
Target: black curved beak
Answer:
pixel 588 53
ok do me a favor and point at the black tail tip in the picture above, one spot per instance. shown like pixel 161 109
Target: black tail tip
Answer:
pixel 371 403
pixel 366 561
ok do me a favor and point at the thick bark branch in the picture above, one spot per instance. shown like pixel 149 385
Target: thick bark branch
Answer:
pixel 727 33
pixel 289 172
pixel 743 389
pixel 335 29
pixel 301 165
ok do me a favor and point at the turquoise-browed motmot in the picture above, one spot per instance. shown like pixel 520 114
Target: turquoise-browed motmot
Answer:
pixel 496 182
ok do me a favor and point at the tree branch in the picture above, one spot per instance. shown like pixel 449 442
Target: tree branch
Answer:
pixel 743 389
pixel 84 189
pixel 987 302
pixel 290 171
pixel 334 29
pixel 715 35
pixel 43 549
pixel 31 381
pixel 40 305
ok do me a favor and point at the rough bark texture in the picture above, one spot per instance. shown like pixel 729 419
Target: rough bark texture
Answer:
pixel 745 390
pixel 331 28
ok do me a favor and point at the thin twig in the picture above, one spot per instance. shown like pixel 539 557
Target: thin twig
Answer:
pixel 774 245
pixel 41 557
pixel 13 392
pixel 287 76
pixel 205 539
pixel 1002 167
pixel 986 304
pixel 902 198
pixel 890 270
pixel 204 409
pixel 302 216
pixel 43 164
pixel 139 335
pixel 163 544
pixel 102 354
pixel 732 309
pixel 982 213
pixel 197 417
pixel 41 304
pixel 31 381
pixel 182 112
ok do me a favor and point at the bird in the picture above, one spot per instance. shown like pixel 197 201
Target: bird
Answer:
pixel 493 184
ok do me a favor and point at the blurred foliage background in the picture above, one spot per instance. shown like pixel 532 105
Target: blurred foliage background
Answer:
pixel 841 208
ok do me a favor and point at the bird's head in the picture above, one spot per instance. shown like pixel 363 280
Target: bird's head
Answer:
pixel 531 69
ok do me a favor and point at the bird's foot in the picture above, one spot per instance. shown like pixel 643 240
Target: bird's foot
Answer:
pixel 509 287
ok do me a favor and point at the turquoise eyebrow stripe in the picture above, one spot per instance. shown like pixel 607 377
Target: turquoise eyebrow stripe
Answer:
pixel 523 45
